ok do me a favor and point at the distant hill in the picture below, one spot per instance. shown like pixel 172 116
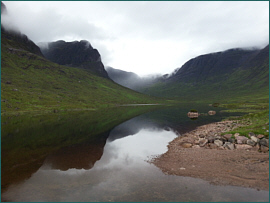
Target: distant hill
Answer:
pixel 130 79
pixel 78 54
pixel 235 73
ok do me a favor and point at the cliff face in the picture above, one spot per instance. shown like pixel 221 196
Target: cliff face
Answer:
pixel 75 54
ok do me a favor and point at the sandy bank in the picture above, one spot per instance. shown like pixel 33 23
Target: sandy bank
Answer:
pixel 218 165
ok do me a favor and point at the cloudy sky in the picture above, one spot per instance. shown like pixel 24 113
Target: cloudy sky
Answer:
pixel 145 37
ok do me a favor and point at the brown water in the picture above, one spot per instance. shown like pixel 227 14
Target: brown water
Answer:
pixel 115 168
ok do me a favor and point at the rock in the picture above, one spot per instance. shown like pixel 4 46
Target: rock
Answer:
pixel 250 134
pixel 213 146
pixel 255 139
pixel 201 136
pixel 264 142
pixel 211 112
pixel 231 140
pixel 203 142
pixel 211 139
pixel 241 140
pixel 264 148
pixel 196 142
pixel 186 145
pixel 260 136
pixel 196 146
pixel 251 142
pixel 243 146
pixel 228 145
pixel 227 136
pixel 236 135
pixel 193 114
pixel 218 143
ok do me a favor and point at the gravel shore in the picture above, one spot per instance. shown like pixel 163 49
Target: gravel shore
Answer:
pixel 239 165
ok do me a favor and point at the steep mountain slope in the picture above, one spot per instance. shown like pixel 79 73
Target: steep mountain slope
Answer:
pixel 235 73
pixel 130 79
pixel 75 54
pixel 29 82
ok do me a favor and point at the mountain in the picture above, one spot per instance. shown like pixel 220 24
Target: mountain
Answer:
pixel 30 82
pixel 235 73
pixel 78 54
pixel 130 79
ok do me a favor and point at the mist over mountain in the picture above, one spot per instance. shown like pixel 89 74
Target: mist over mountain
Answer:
pixel 14 37
pixel 78 54
pixel 232 73
pixel 132 80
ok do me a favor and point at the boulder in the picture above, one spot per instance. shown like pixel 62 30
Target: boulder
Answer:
pixel 218 143
pixel 236 135
pixel 255 139
pixel 251 142
pixel 264 142
pixel 211 112
pixel 212 146
pixel 203 142
pixel 201 136
pixel 228 145
pixel 250 134
pixel 227 136
pixel 243 146
pixel 211 139
pixel 260 136
pixel 241 140
pixel 231 140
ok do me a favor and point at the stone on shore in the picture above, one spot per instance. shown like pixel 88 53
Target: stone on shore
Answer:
pixel 227 136
pixel 203 142
pixel 186 145
pixel 243 146
pixel 255 139
pixel 260 136
pixel 241 139
pixel 228 145
pixel 251 142
pixel 264 142
pixel 218 143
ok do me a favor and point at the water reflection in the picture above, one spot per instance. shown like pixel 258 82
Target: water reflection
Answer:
pixel 111 166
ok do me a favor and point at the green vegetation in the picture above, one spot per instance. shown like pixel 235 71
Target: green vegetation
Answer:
pixel 31 83
pixel 256 121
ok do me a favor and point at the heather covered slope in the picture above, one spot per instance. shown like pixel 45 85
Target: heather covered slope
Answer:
pixel 235 74
pixel 29 82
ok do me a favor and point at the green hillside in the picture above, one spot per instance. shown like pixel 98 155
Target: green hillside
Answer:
pixel 29 82
pixel 235 75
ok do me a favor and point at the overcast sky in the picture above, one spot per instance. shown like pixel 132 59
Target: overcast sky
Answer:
pixel 145 37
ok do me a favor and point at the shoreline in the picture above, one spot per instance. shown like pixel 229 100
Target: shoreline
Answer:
pixel 189 155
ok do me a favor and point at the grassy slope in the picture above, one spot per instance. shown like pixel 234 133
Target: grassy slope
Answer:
pixel 37 84
pixel 241 85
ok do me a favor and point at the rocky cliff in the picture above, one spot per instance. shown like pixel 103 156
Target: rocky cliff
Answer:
pixel 78 54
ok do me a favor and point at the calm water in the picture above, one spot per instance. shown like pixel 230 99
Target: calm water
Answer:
pixel 90 164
